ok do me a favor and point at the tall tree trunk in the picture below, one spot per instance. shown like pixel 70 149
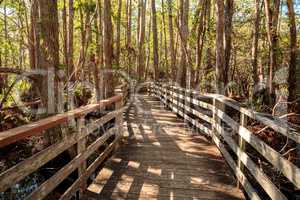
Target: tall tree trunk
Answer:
pixel 32 39
pixel 272 13
pixel 6 48
pixel 184 69
pixel 255 38
pixel 49 53
pixel 99 53
pixel 220 59
pixel 165 36
pixel 118 45
pixel 65 34
pixel 141 44
pixel 208 53
pixel 202 27
pixel 228 33
pixel 294 69
pixel 171 36
pixel 155 41
pixel 128 35
pixel 108 48
pixel 71 69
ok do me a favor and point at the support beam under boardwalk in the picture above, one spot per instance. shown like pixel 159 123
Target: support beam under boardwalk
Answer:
pixel 163 159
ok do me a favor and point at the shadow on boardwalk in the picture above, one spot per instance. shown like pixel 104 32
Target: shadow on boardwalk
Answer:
pixel 163 159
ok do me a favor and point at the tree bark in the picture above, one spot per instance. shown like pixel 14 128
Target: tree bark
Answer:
pixel 165 36
pixel 201 32
pixel 229 6
pixel 255 38
pixel 118 45
pixel 128 36
pixel 141 44
pixel 70 42
pixel 220 59
pixel 108 48
pixel 155 41
pixel 294 69
pixel 183 71
pixel 49 53
pixel 272 13
pixel 171 38
pixel 65 34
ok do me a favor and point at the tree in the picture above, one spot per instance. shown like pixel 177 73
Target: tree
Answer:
pixel 183 76
pixel 255 37
pixel 108 50
pixel 228 33
pixel 272 13
pixel 220 53
pixel 171 38
pixel 118 40
pixel 141 40
pixel 70 42
pixel 155 41
pixel 294 69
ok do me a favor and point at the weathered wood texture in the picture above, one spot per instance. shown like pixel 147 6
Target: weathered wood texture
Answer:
pixel 208 114
pixel 108 138
pixel 163 159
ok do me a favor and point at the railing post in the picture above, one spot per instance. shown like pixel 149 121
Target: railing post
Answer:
pixel 118 107
pixel 81 147
pixel 216 120
pixel 242 144
pixel 119 118
pixel 166 95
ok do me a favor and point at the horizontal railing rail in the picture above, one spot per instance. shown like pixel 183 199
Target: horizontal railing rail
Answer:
pixel 208 114
pixel 108 137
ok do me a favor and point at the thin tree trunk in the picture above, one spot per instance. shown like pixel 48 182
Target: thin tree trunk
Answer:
pixel 108 47
pixel 272 13
pixel 128 35
pixel 65 34
pixel 208 53
pixel 71 69
pixel 200 41
pixel 141 44
pixel 220 59
pixel 32 39
pixel 255 38
pixel 165 36
pixel 294 70
pixel 100 89
pixel 171 36
pixel 118 45
pixel 228 33
pixel 155 41
pixel 184 69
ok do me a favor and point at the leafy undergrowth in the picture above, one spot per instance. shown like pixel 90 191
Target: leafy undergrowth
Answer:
pixel 286 147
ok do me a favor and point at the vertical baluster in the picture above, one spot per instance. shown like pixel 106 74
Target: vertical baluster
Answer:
pixel 118 107
pixel 81 147
pixel 242 144
pixel 119 118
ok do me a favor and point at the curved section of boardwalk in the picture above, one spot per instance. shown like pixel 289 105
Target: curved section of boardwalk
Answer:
pixel 163 159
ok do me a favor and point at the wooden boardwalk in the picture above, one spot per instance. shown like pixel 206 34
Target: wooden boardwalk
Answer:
pixel 163 159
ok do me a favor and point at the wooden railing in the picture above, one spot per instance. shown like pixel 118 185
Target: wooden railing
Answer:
pixel 107 137
pixel 209 114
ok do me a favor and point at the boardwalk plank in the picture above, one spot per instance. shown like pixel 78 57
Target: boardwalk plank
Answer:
pixel 163 159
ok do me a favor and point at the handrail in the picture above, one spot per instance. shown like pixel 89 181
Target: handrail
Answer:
pixel 83 151
pixel 12 135
pixel 186 103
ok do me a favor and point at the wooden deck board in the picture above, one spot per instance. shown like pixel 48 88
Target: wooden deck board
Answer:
pixel 163 159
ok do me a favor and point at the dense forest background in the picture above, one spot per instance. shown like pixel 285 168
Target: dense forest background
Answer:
pixel 246 49
pixel 57 55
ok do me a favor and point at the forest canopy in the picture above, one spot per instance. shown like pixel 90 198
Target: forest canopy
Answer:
pixel 246 49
